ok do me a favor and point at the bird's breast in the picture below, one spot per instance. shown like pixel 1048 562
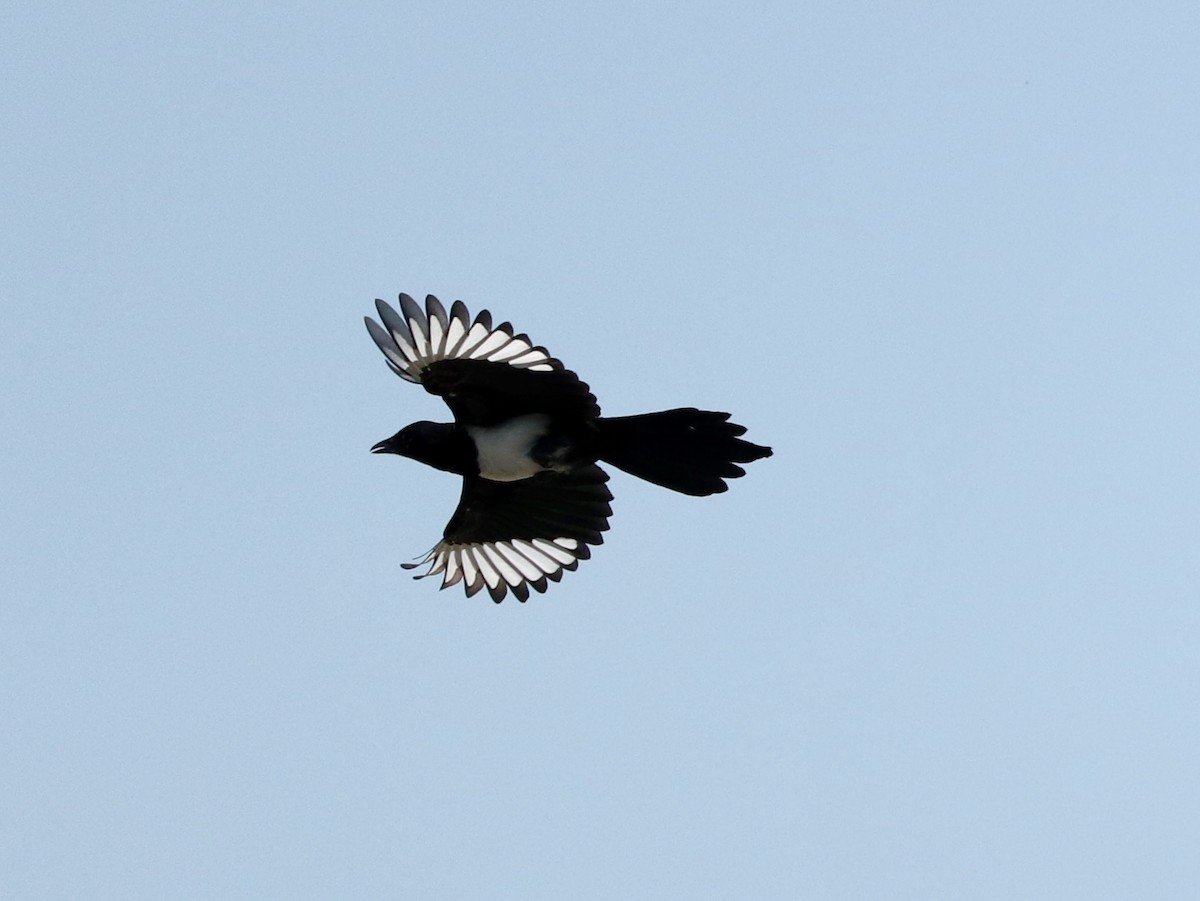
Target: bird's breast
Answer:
pixel 503 451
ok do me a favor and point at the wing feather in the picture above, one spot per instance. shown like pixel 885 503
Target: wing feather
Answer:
pixel 513 536
pixel 486 373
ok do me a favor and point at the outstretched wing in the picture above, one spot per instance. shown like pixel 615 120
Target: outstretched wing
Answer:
pixel 485 373
pixel 517 535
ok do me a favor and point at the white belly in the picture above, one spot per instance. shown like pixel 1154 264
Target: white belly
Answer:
pixel 504 449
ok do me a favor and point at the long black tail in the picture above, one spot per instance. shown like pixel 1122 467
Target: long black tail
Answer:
pixel 687 450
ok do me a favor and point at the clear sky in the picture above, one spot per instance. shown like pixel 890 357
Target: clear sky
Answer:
pixel 944 257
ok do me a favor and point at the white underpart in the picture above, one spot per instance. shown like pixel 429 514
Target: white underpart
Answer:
pixel 504 449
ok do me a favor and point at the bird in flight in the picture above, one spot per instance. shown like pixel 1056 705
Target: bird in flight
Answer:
pixel 526 439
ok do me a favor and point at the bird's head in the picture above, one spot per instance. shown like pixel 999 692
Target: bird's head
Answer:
pixel 409 439
pixel 434 443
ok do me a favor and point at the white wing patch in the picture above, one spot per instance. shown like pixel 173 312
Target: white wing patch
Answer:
pixel 515 564
pixel 414 338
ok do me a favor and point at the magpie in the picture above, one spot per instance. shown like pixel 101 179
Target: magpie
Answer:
pixel 526 439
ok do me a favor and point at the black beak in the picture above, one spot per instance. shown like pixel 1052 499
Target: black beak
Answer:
pixel 382 447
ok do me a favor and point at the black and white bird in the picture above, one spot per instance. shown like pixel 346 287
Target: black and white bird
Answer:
pixel 526 438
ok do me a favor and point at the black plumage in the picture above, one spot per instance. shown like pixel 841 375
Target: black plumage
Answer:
pixel 526 438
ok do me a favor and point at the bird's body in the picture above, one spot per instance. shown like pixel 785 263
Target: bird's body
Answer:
pixel 526 438
pixel 505 452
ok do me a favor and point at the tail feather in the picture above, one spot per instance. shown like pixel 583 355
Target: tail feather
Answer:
pixel 687 450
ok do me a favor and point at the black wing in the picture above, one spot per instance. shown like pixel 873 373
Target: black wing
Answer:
pixel 516 535
pixel 485 373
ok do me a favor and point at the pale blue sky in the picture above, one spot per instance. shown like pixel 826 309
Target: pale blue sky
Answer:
pixel 944 258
